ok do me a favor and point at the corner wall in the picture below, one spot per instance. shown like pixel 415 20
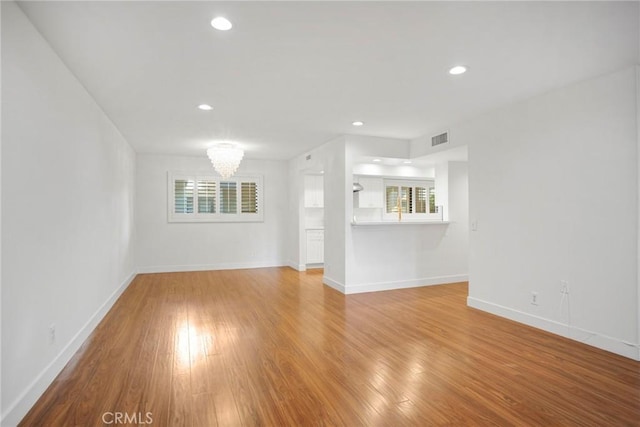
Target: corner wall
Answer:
pixel 67 214
pixel 385 257
pixel 329 157
pixel 638 187
pixel 380 257
pixel 554 191
pixel 1 412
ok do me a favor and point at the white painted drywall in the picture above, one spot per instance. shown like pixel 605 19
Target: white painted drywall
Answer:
pixel 1 412
pixel 442 188
pixel 330 158
pixel 554 190
pixel 399 256
pixel 163 246
pixel 638 187
pixel 295 242
pixel 403 171
pixel 378 258
pixel 392 257
pixel 335 203
pixel 67 214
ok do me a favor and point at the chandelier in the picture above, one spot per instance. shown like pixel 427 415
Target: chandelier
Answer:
pixel 225 158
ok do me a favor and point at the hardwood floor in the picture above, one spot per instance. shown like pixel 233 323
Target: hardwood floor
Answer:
pixel 274 347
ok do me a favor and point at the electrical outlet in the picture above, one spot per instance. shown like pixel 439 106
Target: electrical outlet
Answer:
pixel 52 333
pixel 534 298
pixel 564 287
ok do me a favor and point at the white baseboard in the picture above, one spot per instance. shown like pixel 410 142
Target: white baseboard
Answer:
pixel 19 408
pixel 614 345
pixel 333 284
pixel 387 286
pixel 207 267
pixel 297 267
pixel 314 266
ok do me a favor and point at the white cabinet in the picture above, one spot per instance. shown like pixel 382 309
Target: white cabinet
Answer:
pixel 371 196
pixel 313 191
pixel 315 246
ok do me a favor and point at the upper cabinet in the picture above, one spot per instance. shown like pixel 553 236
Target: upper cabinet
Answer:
pixel 371 195
pixel 313 191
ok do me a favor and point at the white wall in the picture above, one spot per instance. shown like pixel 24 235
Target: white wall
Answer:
pixel 403 171
pixel 554 189
pixel 1 411
pixel 385 257
pixel 295 243
pixel 400 256
pixel 638 187
pixel 67 214
pixel 330 158
pixel 163 246
pixel 442 188
pixel 338 196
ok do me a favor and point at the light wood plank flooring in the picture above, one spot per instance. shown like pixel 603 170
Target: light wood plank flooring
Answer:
pixel 274 347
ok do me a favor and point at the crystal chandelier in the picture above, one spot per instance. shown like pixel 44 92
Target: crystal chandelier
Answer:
pixel 226 158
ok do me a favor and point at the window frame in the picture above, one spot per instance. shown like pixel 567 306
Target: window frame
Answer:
pixel 411 214
pixel 218 216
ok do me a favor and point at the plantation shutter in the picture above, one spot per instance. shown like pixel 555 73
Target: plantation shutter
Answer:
pixel 183 196
pixel 421 200
pixel 398 195
pixel 228 197
pixel 407 193
pixel 249 197
pixel 206 196
pixel 392 199
pixel 200 197
pixel 432 200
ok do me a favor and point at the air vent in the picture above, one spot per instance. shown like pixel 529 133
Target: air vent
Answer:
pixel 443 138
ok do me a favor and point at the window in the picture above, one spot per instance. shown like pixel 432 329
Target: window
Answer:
pixel 421 200
pixel 206 196
pixel 201 198
pixel 410 200
pixel 249 192
pixel 398 198
pixel 228 197
pixel 183 189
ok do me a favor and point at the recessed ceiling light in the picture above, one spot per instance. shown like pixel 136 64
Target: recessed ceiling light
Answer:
pixel 220 23
pixel 205 107
pixel 357 123
pixel 458 69
pixel 377 160
pixel 407 162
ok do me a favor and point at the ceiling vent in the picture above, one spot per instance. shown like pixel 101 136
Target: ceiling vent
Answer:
pixel 443 138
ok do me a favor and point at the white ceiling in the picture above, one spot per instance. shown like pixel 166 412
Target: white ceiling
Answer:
pixel 456 154
pixel 291 75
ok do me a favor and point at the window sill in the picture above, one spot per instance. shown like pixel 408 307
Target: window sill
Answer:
pixel 220 219
pixel 383 223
